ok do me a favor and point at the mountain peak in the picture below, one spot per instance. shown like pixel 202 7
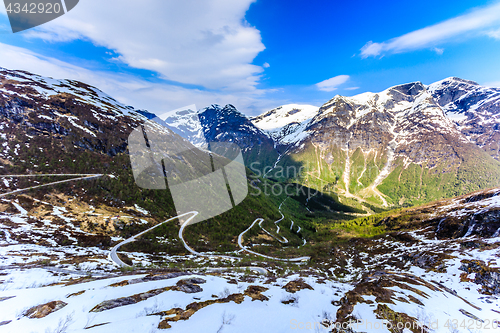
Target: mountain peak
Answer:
pixel 285 123
pixel 218 109
pixel 457 79
pixel 212 107
pixel 452 82
pixel 410 89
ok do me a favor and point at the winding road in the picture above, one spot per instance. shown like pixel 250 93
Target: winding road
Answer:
pixel 240 244
pixel 113 253
pixel 114 256
pixel 187 247
pixel 43 185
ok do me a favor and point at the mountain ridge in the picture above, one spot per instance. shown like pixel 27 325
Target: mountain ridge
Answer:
pixel 409 144
pixel 403 126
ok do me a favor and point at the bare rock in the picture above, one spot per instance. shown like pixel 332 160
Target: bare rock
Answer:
pixel 188 287
pixel 255 293
pixel 43 310
pixel 294 286
pixel 118 302
pixel 485 276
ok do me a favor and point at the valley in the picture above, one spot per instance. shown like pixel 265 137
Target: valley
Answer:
pixel 390 216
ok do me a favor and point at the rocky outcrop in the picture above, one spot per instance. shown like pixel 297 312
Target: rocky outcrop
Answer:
pixel 255 292
pixel 483 223
pixel 484 275
pixel 296 285
pixel 43 310
pixel 188 286
pixel 176 314
pixel 154 277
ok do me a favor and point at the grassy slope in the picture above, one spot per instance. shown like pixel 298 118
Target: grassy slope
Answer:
pixel 416 184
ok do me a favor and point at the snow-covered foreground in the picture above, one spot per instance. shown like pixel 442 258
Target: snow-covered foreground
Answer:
pixel 442 297
pixel 249 316
pixel 434 299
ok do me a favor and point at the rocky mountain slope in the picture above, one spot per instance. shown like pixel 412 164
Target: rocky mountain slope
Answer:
pixel 408 144
pixel 225 124
pixel 66 117
pixel 474 109
pixel 286 124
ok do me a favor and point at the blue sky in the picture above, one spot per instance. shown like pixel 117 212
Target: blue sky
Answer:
pixel 165 54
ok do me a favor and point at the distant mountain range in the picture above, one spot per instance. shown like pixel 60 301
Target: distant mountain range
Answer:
pixel 224 124
pixel 409 144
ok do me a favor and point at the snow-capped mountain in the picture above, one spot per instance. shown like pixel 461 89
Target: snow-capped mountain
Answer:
pixel 224 124
pixel 286 124
pixel 227 124
pixel 474 109
pixel 216 124
pixel 373 146
pixel 187 124
pixel 44 107
pixel 359 143
pixel 389 122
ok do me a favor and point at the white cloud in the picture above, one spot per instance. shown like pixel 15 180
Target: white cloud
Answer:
pixel 494 34
pixel 155 97
pixel 478 19
pixel 352 88
pixel 333 83
pixel 438 50
pixel 266 65
pixel 200 42
pixel 372 49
